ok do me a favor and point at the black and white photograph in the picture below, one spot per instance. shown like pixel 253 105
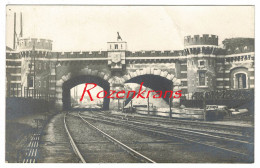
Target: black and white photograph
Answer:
pixel 129 84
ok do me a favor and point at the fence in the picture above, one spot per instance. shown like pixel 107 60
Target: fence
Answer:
pixel 242 94
pixel 230 98
pixel 29 93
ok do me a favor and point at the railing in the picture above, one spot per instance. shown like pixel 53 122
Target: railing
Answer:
pixel 243 94
pixel 243 98
pixel 29 93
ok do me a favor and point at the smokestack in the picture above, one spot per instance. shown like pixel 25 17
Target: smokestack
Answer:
pixel 14 31
pixel 21 25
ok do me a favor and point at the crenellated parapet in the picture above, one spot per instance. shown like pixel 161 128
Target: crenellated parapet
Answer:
pixel 205 39
pixel 104 54
pixel 80 54
pixel 153 53
pixel 204 45
pixel 26 44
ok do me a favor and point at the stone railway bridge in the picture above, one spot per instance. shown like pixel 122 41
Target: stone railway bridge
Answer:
pixel 201 66
pixel 157 73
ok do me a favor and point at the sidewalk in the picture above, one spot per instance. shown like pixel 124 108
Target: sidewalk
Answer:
pixel 55 146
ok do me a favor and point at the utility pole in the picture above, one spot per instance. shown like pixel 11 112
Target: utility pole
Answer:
pixel 204 105
pixel 118 104
pixel 148 106
pixel 170 105
pixel 34 85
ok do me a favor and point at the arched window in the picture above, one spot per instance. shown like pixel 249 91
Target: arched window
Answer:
pixel 240 81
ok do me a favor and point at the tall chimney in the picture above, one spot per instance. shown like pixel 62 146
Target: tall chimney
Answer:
pixel 21 25
pixel 14 42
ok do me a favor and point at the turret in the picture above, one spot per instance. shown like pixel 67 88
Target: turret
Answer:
pixel 26 44
pixel 201 53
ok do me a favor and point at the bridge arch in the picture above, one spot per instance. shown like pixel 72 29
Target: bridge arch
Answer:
pixel 153 78
pixel 70 80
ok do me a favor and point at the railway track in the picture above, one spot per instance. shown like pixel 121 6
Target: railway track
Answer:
pixel 79 152
pixel 238 147
pixel 222 134
pixel 72 142
pixel 246 132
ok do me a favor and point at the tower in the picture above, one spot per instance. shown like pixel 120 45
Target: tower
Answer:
pixel 16 37
pixel 201 62
pixel 116 53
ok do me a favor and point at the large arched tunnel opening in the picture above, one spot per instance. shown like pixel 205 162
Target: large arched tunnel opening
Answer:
pixel 66 87
pixel 154 82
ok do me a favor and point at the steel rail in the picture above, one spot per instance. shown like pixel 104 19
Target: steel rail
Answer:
pixel 203 133
pixel 189 123
pixel 73 144
pixel 159 132
pixel 125 147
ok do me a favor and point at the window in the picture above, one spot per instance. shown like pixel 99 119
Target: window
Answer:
pixel 30 81
pixel 44 84
pixel 121 46
pixel 116 46
pixel 201 63
pixel 40 66
pixel 52 65
pixel 110 46
pixel 202 78
pixel 240 81
pixel 39 83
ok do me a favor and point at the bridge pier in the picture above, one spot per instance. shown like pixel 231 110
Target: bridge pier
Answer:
pixel 176 101
pixel 58 105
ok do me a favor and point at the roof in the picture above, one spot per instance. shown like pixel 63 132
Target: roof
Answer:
pixel 8 48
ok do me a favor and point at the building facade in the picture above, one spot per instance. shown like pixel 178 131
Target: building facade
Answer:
pixel 203 65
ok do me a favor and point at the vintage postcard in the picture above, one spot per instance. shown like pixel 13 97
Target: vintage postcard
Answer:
pixel 129 84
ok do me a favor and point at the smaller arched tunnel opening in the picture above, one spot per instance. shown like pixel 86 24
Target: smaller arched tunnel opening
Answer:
pixel 155 82
pixel 66 89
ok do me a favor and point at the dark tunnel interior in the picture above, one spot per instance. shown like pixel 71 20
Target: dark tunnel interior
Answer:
pixel 66 99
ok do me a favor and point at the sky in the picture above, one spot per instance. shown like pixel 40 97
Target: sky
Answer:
pixel 88 28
